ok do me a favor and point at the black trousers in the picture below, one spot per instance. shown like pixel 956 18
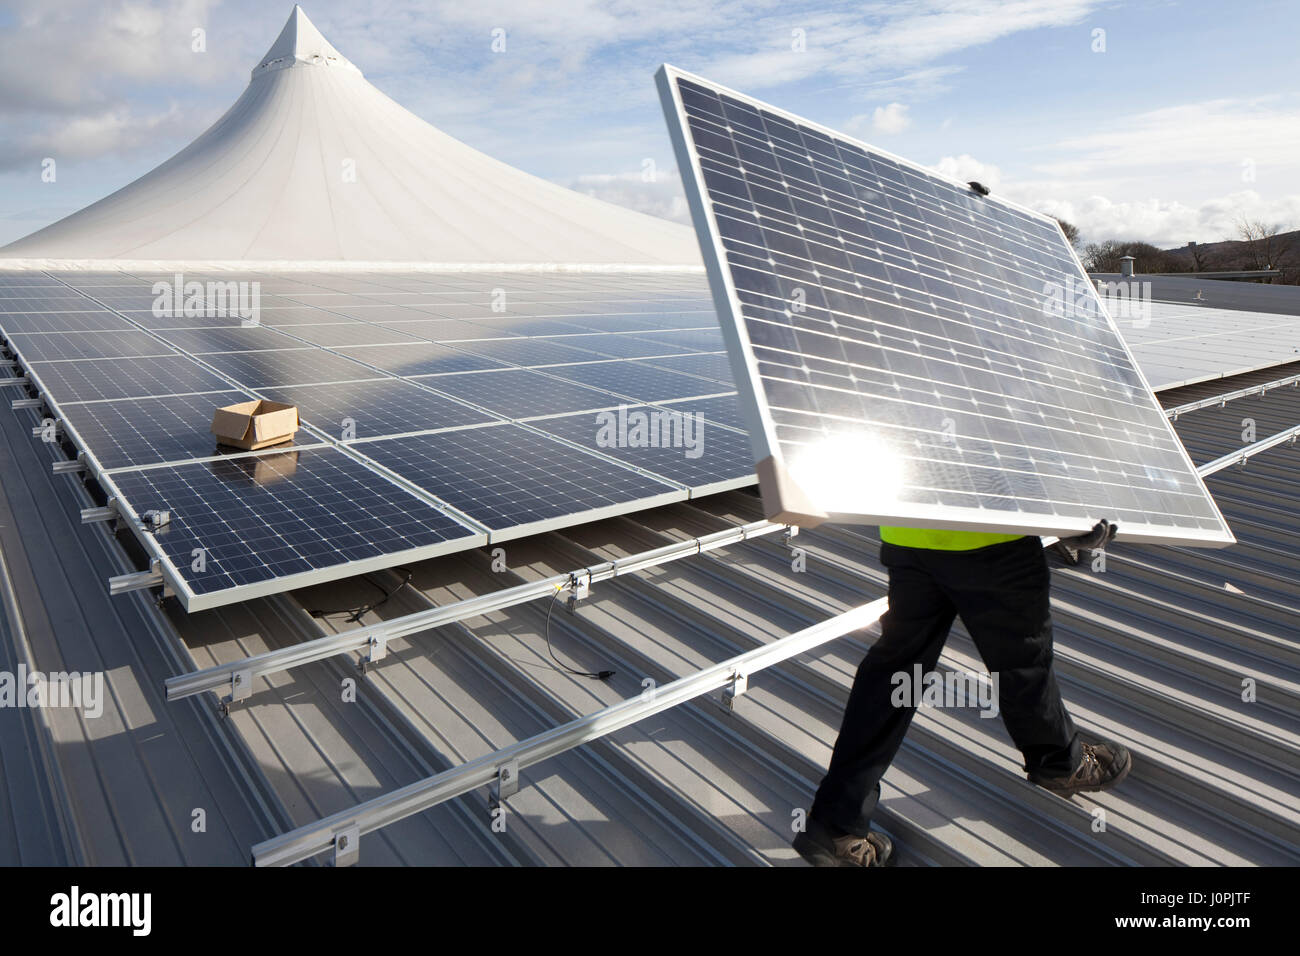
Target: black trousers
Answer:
pixel 1001 593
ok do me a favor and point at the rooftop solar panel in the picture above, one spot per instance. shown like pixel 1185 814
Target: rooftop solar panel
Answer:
pixel 424 358
pixel 62 346
pixel 512 479
pixel 896 348
pixel 148 431
pixel 639 382
pixel 422 425
pixel 669 441
pixel 261 521
pixel 92 379
pixel 359 410
pixel 301 366
pixel 519 393
pixel 89 320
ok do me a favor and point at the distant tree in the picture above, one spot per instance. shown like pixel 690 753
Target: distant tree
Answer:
pixel 1105 257
pixel 1071 231
pixel 1265 248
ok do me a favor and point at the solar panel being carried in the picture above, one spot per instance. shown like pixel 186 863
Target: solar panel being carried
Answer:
pixel 909 350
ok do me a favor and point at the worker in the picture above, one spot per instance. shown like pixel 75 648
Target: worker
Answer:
pixel 999 585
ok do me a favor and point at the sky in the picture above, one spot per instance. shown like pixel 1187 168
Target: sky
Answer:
pixel 1143 120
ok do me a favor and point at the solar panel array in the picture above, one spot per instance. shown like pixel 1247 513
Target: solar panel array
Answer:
pixel 438 411
pixel 909 351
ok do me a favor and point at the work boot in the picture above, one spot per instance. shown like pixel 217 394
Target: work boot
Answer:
pixel 821 847
pixel 1103 765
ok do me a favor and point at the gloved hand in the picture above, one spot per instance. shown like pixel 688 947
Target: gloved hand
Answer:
pixel 1102 533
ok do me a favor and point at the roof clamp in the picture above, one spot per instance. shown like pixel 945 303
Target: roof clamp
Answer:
pixel 579 586
pixel 736 688
pixel 108 512
pixel 72 466
pixel 378 650
pixel 506 784
pixel 347 846
pixel 241 688
pixel 791 531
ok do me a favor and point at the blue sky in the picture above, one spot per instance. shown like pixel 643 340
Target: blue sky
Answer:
pixel 1187 120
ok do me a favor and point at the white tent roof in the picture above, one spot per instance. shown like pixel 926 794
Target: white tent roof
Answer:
pixel 271 182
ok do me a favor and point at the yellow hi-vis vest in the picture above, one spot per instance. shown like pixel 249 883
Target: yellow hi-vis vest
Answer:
pixel 938 539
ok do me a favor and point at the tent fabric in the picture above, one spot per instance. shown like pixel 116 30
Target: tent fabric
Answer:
pixel 313 164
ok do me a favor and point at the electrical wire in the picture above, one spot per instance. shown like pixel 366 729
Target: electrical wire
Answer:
pixel 594 675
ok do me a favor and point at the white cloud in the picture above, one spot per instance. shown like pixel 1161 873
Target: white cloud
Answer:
pixel 890 119
pixel 661 196
pixel 966 168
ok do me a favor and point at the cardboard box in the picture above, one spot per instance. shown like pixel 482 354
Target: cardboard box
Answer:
pixel 255 424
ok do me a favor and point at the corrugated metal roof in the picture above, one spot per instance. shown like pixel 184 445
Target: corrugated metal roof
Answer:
pixel 1152 650
pixel 1216 293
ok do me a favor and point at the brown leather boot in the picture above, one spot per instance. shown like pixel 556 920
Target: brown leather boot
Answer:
pixel 1103 765
pixel 820 847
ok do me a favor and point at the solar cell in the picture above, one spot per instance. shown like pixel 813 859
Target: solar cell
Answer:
pixel 512 480
pixel 917 353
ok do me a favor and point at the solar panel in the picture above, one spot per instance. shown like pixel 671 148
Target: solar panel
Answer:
pixel 713 366
pixel 669 441
pixel 721 409
pixel 203 341
pixel 424 358
pixel 520 393
pixel 82 321
pixel 358 410
pixel 639 382
pixel 512 479
pixel 303 366
pixel 124 378
pixel 909 351
pixel 147 431
pixel 410 409
pixel 264 519
pixel 60 346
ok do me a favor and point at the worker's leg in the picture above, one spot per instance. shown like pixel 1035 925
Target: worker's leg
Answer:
pixel 912 630
pixel 1002 594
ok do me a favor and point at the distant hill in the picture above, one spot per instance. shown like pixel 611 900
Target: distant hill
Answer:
pixel 1281 251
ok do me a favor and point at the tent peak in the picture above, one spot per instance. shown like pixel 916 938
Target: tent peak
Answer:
pixel 300 43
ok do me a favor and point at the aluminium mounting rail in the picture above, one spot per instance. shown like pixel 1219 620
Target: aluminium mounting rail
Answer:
pixel 237 676
pixel 342 831
pixel 1292 381
pixel 1241 455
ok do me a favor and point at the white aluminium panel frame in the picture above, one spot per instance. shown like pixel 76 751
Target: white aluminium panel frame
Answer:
pixel 783 500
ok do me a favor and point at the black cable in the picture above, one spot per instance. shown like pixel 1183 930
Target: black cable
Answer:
pixel 354 615
pixel 595 675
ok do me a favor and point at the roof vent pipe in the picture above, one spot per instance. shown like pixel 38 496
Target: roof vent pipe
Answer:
pixel 1126 266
